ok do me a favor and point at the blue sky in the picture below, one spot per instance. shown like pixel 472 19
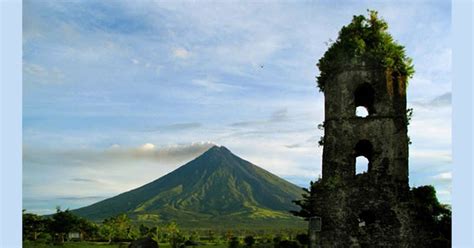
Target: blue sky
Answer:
pixel 117 95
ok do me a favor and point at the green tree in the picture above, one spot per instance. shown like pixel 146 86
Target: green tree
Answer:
pixel 432 215
pixel 302 238
pixel 175 238
pixel 193 238
pixel 287 244
pixel 144 230
pixel 249 241
pixel 155 233
pixel 106 232
pixel 134 234
pixel 234 242
pixel 33 225
pixel 276 241
pixel 119 227
pixel 211 236
pixel 87 229
pixel 159 234
pixel 366 41
pixel 62 223
pixel 306 206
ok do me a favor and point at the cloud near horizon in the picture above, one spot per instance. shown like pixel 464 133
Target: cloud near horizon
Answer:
pixel 148 151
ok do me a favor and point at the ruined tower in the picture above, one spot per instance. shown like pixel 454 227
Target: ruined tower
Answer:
pixel 368 209
pixel 361 209
pixel 381 136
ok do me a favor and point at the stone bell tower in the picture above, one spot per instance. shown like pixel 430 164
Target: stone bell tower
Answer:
pixel 365 68
pixel 380 137
pixel 366 209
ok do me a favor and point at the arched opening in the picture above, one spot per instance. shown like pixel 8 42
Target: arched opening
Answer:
pixel 363 156
pixel 362 112
pixel 364 98
pixel 362 165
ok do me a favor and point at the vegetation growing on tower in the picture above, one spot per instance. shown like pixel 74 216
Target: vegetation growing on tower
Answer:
pixel 365 41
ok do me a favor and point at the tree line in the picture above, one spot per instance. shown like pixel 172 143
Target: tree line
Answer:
pixel 64 226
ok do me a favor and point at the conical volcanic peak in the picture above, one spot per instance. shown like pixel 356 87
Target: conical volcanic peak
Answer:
pixel 218 151
pixel 214 157
pixel 214 185
pixel 216 148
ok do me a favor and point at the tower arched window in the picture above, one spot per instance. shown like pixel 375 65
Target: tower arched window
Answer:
pixel 362 165
pixel 364 100
pixel 363 152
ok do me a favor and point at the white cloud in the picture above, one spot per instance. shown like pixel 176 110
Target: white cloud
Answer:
pixel 444 193
pixel 212 85
pixel 147 147
pixel 431 155
pixel 444 176
pixel 181 53
pixel 115 146
pixel 172 154
pixel 35 73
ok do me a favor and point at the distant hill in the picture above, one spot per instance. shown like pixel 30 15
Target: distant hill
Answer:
pixel 216 189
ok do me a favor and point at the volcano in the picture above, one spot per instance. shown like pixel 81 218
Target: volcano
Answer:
pixel 216 188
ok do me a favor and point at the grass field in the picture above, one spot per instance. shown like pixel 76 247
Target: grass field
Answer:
pixel 72 245
pixel 104 245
